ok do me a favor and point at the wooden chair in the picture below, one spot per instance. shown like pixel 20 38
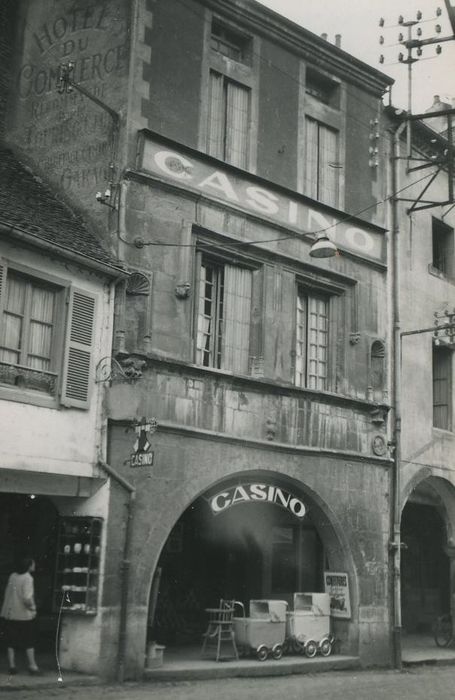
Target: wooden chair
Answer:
pixel 220 632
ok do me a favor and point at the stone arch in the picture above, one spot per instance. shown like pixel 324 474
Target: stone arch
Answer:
pixel 331 533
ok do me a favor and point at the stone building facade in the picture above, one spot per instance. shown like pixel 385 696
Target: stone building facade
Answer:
pixel 248 398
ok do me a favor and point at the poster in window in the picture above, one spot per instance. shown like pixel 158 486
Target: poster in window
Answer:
pixel 336 584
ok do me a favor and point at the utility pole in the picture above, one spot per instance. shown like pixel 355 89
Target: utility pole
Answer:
pixel 440 160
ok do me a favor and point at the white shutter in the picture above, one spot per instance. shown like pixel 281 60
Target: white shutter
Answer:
pixel 216 117
pixel 237 124
pixel 237 319
pixel 3 269
pixel 328 174
pixel 77 379
pixel 311 158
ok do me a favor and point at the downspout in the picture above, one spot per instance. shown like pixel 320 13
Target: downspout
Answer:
pixel 125 565
pixel 395 544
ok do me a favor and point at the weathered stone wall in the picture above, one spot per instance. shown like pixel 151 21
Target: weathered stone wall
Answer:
pixel 349 500
pixel 69 138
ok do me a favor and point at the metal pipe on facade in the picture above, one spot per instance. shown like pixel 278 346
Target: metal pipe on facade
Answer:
pixel 395 544
pixel 125 565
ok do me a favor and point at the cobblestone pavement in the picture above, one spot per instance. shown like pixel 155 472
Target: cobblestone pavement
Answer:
pixel 420 683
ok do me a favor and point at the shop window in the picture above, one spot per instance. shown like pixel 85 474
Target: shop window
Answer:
pixel 322 88
pixel 78 563
pixel 321 162
pixel 45 344
pixel 312 340
pixel 443 248
pixel 442 388
pixel 228 120
pixel 223 316
pixel 229 43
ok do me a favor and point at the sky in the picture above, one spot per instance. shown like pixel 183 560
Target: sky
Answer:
pixel 358 23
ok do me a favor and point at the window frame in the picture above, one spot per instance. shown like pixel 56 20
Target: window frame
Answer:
pixel 445 233
pixel 335 295
pixel 255 340
pixel 448 354
pixel 245 74
pixel 225 150
pixel 319 167
pixel 24 394
pixel 65 344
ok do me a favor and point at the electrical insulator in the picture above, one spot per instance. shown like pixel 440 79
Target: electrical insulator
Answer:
pixel 400 57
pixel 419 14
pixel 400 19
pixel 438 49
pixel 419 52
pixel 438 29
pixel 373 163
pixel 400 37
pixel 438 12
pixel 381 22
pixel 381 59
pixel 419 31
pixel 374 122
pixel 381 39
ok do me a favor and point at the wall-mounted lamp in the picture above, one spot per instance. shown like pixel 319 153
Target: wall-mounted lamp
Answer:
pixel 323 247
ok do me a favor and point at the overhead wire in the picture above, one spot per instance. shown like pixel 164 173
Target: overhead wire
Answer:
pixel 297 235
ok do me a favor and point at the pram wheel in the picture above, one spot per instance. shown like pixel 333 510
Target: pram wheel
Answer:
pixel 325 647
pixel 277 651
pixel 262 652
pixel 311 648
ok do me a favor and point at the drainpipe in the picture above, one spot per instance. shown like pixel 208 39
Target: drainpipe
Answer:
pixel 395 544
pixel 125 565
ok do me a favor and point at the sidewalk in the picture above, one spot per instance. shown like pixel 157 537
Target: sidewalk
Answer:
pixel 185 664
pixel 49 679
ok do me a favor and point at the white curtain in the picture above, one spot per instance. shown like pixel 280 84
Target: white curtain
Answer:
pixel 236 322
pixel 237 124
pixel 216 117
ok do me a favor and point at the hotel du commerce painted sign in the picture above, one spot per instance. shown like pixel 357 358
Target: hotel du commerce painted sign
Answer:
pixel 196 172
pixel 256 493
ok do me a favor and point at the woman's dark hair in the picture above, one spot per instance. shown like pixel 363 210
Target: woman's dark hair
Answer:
pixel 24 565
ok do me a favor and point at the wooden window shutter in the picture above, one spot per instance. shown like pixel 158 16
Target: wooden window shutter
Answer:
pixel 77 380
pixel 3 269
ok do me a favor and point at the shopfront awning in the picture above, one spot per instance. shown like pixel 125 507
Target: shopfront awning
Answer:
pixel 48 484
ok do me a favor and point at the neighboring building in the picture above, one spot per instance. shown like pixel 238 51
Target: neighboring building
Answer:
pixel 423 245
pixel 241 134
pixel 56 319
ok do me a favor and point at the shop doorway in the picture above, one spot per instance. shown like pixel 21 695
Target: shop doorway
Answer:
pixel 425 566
pixel 250 551
pixel 28 528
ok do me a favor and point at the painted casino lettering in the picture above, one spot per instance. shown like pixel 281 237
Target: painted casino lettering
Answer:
pixel 242 192
pixel 257 493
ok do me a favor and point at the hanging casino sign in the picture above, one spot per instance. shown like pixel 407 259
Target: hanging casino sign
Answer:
pixel 256 493
pixel 245 192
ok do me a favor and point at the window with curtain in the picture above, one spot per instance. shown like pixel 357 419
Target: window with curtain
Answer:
pixel 46 346
pixel 28 322
pixel 442 388
pixel 229 120
pixel 312 341
pixel 223 321
pixel 321 162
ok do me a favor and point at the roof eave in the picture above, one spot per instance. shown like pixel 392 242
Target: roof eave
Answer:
pixel 36 241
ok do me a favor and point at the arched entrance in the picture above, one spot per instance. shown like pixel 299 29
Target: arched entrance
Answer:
pixel 28 528
pixel 425 561
pixel 247 538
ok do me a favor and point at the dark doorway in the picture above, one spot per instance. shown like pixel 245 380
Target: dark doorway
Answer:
pixel 28 528
pixel 425 577
pixel 251 551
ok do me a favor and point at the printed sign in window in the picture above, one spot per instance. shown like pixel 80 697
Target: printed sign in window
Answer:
pixel 336 584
